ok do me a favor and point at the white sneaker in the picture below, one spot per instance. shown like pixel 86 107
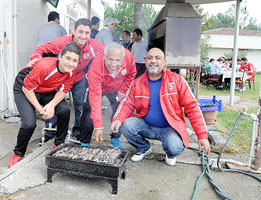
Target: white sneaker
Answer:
pixel 170 161
pixel 139 156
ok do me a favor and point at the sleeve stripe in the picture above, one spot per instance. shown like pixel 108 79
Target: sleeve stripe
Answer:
pixel 121 103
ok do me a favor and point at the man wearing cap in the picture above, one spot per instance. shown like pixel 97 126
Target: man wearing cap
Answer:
pixel 105 35
pixel 95 21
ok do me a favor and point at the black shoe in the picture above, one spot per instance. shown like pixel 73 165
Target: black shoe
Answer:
pixel 47 138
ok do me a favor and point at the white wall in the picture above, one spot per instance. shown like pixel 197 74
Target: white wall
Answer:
pixel 227 41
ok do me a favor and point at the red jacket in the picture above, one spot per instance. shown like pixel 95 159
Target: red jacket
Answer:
pixel 45 77
pixel 248 67
pixel 175 94
pixel 91 49
pixel 100 80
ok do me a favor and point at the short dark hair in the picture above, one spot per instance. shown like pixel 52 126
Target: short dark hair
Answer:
pixel 244 59
pixel 127 32
pixel 212 59
pixel 220 59
pixel 82 21
pixel 72 47
pixel 94 20
pixel 238 59
pixel 52 16
pixel 138 31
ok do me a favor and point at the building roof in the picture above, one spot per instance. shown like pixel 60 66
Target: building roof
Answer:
pixel 231 31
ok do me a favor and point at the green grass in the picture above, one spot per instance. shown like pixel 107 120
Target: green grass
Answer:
pixel 241 139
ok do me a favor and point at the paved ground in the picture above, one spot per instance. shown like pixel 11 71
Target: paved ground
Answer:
pixel 150 179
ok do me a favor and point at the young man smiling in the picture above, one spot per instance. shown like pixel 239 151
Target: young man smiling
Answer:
pixel 90 48
pixel 42 87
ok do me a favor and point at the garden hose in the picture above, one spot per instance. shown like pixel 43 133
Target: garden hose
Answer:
pixel 206 171
pixel 223 149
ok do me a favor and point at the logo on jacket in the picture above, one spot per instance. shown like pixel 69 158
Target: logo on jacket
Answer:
pixel 123 72
pixel 85 56
pixel 171 86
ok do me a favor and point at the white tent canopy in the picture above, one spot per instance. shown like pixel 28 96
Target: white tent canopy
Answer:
pixel 186 1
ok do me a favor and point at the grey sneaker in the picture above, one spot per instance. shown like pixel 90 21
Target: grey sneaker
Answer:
pixel 140 156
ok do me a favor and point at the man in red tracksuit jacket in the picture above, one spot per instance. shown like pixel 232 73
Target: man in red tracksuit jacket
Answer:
pixel 159 96
pixel 42 87
pixel 249 69
pixel 90 48
pixel 110 74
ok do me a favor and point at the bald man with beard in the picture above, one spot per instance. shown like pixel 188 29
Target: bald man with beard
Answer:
pixel 164 94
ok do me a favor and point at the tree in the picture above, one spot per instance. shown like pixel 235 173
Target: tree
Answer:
pixel 124 12
pixel 204 42
pixel 227 20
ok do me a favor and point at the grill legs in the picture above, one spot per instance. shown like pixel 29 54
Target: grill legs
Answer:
pixel 50 173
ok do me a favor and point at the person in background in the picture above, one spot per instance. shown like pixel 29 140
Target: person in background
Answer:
pixel 105 35
pixel 238 64
pixel 217 71
pixel 110 74
pixel 139 50
pixel 126 41
pixel 249 69
pixel 90 48
pixel 51 30
pixel 42 87
pixel 207 68
pixel 159 97
pixel 95 21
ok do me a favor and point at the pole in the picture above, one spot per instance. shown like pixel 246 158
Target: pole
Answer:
pixel 233 77
pixel 256 158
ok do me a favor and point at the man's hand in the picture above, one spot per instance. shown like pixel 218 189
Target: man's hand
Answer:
pixel 31 62
pixel 119 97
pixel 98 135
pixel 204 143
pixel 48 110
pixel 115 125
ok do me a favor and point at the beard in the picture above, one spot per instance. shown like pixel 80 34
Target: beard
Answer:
pixel 154 70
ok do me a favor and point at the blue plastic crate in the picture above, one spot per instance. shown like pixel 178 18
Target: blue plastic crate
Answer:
pixel 210 104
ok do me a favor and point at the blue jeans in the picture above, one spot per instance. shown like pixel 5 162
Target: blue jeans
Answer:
pixel 78 94
pixel 136 131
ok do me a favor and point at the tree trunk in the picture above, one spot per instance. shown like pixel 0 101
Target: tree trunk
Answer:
pixel 137 15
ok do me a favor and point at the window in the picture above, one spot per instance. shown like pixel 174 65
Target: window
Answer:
pixel 53 2
pixel 72 18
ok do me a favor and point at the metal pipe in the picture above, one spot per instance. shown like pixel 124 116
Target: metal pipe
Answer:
pixel 233 77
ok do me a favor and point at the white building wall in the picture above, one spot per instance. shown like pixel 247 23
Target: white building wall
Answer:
pixel 227 41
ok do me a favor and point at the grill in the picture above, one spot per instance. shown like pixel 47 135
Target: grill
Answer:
pixel 102 163
pixel 176 31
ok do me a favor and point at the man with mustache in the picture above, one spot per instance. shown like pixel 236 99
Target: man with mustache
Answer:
pixel 110 74
pixel 159 96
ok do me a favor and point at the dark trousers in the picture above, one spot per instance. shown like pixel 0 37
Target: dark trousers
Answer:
pixel 28 119
pixel 141 68
pixel 86 123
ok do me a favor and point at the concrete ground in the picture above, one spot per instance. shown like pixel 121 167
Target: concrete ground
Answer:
pixel 150 179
